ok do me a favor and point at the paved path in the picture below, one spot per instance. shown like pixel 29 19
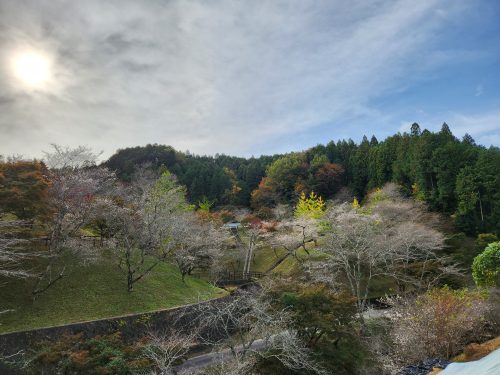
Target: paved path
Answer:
pixel 376 313
pixel 204 360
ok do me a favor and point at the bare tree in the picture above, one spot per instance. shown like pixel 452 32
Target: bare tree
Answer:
pixel 249 327
pixel 409 233
pixel 61 158
pixel 353 252
pixel 415 257
pixel 238 365
pixel 75 185
pixel 360 247
pixel 282 211
pixel 131 241
pixel 135 241
pixel 198 244
pixel 147 225
pixel 13 251
pixel 165 350
pixel 405 210
pixel 438 323
pixel 292 235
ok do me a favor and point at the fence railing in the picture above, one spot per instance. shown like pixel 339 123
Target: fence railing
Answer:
pixel 227 276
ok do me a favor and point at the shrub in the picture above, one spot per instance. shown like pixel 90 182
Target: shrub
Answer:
pixel 269 226
pixel 483 240
pixel 486 266
pixel 323 320
pixel 226 216
pixel 251 220
pixel 437 324
pixel 265 213
pixel 375 196
pixel 99 355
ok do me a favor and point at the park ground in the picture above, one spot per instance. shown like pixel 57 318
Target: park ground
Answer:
pixel 97 291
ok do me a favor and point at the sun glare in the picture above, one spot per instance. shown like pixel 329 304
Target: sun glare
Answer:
pixel 32 68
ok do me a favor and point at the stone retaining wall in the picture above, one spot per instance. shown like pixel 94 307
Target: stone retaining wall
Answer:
pixel 131 326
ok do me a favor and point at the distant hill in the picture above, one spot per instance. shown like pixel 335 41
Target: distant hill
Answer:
pixel 456 177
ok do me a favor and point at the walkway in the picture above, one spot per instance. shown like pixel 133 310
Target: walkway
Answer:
pixel 204 360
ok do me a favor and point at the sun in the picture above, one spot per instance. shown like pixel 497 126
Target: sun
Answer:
pixel 32 68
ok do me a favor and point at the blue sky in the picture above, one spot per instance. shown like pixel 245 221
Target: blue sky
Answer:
pixel 247 78
pixel 463 89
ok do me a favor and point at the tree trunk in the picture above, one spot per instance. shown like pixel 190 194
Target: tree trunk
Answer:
pixel 278 262
pixel 39 288
pixel 481 207
pixel 130 282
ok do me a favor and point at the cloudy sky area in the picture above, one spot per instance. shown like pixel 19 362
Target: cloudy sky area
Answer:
pixel 247 77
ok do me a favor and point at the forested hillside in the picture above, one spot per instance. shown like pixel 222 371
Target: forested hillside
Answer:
pixel 456 177
pixel 220 178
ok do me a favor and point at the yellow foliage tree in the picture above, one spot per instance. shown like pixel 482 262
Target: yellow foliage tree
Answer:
pixel 355 204
pixel 311 206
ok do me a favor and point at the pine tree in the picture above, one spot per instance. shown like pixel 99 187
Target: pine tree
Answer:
pixel 360 165
pixel 415 130
pixel 467 139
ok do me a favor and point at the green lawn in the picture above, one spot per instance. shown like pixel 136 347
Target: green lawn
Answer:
pixel 291 264
pixel 265 257
pixel 97 291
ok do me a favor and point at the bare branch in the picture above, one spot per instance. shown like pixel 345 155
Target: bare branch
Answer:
pixel 387 242
pixel 167 349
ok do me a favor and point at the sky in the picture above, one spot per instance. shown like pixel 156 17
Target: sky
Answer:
pixel 244 77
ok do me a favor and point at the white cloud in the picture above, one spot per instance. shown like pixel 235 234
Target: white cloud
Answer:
pixel 483 127
pixel 223 76
pixel 479 90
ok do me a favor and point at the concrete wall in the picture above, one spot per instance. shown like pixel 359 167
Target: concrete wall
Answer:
pixel 131 326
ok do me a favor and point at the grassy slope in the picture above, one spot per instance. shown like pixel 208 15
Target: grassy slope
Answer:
pixel 97 291
pixel 265 257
